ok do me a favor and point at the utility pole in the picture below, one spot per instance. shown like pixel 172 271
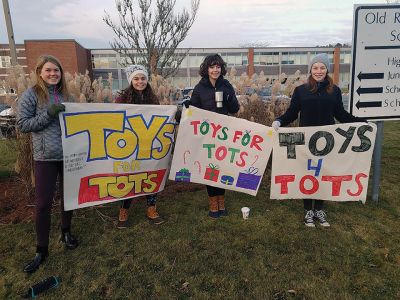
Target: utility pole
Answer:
pixel 11 41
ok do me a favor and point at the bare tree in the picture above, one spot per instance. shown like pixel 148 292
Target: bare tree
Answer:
pixel 148 33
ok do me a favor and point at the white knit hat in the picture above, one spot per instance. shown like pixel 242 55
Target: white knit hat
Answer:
pixel 132 70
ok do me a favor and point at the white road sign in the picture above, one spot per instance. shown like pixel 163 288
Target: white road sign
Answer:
pixel 375 79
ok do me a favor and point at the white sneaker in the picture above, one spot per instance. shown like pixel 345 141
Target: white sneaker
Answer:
pixel 320 216
pixel 309 218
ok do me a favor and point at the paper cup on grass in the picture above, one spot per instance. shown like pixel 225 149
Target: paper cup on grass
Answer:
pixel 245 212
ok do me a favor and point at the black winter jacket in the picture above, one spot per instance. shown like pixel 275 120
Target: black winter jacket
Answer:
pixel 203 96
pixel 317 109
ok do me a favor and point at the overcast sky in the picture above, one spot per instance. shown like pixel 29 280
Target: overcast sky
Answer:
pixel 219 23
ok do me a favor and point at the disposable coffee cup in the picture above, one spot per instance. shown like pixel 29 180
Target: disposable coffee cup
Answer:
pixel 219 97
pixel 245 212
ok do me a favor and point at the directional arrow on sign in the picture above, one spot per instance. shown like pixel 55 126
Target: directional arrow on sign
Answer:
pixel 371 90
pixel 368 104
pixel 362 76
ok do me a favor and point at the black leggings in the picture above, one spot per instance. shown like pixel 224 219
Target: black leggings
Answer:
pixel 47 173
pixel 308 204
pixel 151 201
pixel 213 191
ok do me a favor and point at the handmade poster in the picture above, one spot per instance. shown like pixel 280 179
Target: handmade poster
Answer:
pixel 115 151
pixel 221 151
pixel 325 162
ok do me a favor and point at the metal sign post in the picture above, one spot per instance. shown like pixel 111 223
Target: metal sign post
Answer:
pixel 375 78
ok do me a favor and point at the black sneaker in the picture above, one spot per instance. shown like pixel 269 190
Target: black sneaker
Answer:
pixel 33 265
pixel 309 218
pixel 320 216
pixel 69 240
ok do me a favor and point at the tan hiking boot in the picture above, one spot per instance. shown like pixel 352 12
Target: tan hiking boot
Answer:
pixel 221 206
pixel 213 207
pixel 153 215
pixel 122 218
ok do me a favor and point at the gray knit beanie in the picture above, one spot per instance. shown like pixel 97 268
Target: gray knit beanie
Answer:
pixel 320 58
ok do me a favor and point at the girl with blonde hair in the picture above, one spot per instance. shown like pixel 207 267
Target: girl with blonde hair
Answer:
pixel 38 109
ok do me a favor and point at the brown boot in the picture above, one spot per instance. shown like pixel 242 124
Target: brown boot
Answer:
pixel 213 207
pixel 153 215
pixel 221 206
pixel 122 218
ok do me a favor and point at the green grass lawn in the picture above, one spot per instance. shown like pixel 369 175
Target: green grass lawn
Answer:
pixel 7 157
pixel 269 256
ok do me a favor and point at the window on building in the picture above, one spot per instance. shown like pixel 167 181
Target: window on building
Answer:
pixel 195 60
pixel 5 61
pixel 104 61
pixel 345 57
pixel 234 59
pixel 266 58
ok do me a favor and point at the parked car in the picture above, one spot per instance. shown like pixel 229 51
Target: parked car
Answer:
pixel 184 94
pixel 3 106
pixel 187 93
pixel 7 122
pixel 263 93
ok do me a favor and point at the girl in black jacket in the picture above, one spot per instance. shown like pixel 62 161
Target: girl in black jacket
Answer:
pixel 319 102
pixel 212 70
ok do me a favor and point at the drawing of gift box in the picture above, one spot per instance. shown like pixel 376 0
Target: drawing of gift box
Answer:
pixel 226 179
pixel 212 173
pixel 182 175
pixel 249 180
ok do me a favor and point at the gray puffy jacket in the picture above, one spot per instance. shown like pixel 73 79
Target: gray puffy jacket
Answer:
pixel 46 131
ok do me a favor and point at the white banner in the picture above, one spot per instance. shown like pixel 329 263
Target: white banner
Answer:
pixel 326 162
pixel 114 151
pixel 221 151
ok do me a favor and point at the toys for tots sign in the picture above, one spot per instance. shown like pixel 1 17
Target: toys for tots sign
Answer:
pixel 327 162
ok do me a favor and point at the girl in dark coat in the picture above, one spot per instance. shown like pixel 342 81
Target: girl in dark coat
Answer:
pixel 212 72
pixel 319 103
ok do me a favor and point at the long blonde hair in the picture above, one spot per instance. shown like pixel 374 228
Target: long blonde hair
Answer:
pixel 40 87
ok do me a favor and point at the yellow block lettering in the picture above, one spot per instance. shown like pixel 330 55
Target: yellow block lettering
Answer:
pixel 138 179
pixel 159 153
pixel 121 144
pixel 95 124
pixel 102 183
pixel 121 188
pixel 146 135
pixel 152 184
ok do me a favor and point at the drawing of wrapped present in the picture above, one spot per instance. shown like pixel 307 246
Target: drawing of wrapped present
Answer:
pixel 212 173
pixel 249 180
pixel 182 175
pixel 226 179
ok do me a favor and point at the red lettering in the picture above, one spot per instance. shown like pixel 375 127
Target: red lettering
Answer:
pixel 215 129
pixel 255 141
pixel 242 162
pixel 195 126
pixel 237 135
pixel 220 153
pixel 360 186
pixel 283 180
pixel 336 182
pixel 314 188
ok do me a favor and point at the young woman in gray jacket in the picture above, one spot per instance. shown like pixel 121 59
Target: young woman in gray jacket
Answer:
pixel 38 110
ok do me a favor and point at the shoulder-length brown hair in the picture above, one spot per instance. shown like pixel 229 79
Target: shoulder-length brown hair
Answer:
pixel 312 84
pixel 132 96
pixel 212 60
pixel 40 87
